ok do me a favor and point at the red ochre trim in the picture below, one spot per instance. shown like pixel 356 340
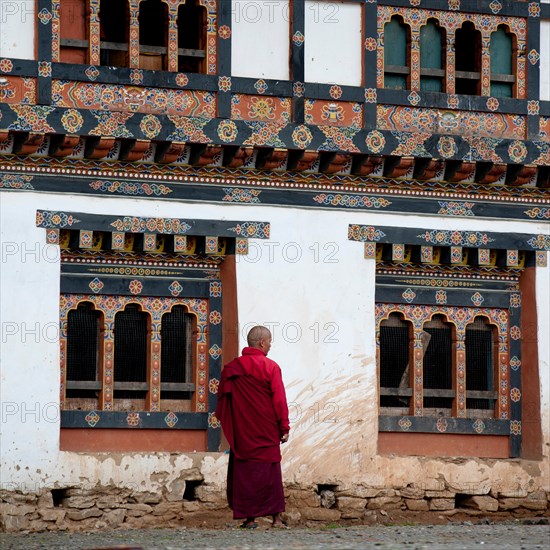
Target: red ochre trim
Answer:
pixel 132 440
pixel 424 444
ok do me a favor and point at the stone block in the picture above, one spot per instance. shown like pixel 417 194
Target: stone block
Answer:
pixel 114 518
pixel 45 500
pixel 17 498
pixel 16 509
pixel 352 507
pixel 412 492
pixel 13 524
pixel 387 503
pixel 192 506
pixel 481 502
pixel 191 474
pixel 174 492
pixel 509 503
pixel 85 513
pixel 168 510
pixel 320 514
pixel 146 497
pixel 297 498
pixel 417 504
pixel 78 502
pixel 52 514
pixel 440 494
pixel 291 517
pixel 442 503
pixel 208 493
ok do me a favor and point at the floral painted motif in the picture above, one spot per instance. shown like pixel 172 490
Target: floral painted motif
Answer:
pixel 447 147
pixel 224 83
pixel 370 95
pixel 175 288
pixel 370 44
pixel 365 233
pixel 171 419
pixel 135 286
pixel 477 299
pixel 213 422
pixel 182 79
pixel 92 73
pixel 335 92
pixel 409 295
pixel 215 289
pixel 131 188
pixel 92 418
pixel 298 38
pixel 241 195
pixel 351 201
pixel 533 56
pixel 517 151
pixel 260 86
pixel 456 208
pixel 224 32
pixel 6 66
pixel 405 423
pixel 298 89
pixel 441 297
pixel 96 285
pixel 215 317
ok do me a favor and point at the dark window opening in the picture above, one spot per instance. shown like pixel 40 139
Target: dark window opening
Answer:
pixel 438 364
pixel 432 57
pixel 114 30
pixel 58 496
pixel 192 22
pixel 502 73
pixel 396 56
pixel 153 35
pixel 480 364
pixel 83 358
pixel 177 353
pixel 131 351
pixel 395 346
pixel 468 60
pixel 73 31
pixel 190 492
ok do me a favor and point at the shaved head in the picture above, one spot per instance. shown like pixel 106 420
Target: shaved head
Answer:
pixel 256 335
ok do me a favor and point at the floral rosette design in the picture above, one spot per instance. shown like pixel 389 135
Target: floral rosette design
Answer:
pixel 447 146
pixel 150 126
pixel 227 131
pixel 375 141
pixel 302 136
pixel 72 121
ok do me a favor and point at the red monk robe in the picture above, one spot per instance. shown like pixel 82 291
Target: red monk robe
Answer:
pixel 253 412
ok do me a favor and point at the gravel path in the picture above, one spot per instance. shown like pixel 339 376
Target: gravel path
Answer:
pixel 459 536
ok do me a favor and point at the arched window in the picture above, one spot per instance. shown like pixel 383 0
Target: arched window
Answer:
pixel 83 357
pixel 176 363
pixel 131 334
pixel 438 364
pixel 114 30
pixel 153 35
pixel 502 72
pixel 396 55
pixel 480 365
pixel 395 353
pixel 192 21
pixel 432 57
pixel 468 60
pixel 74 31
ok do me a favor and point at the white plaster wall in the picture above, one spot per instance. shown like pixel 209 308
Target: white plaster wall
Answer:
pixel 17 22
pixel 333 45
pixel 260 39
pixel 317 292
pixel 545 60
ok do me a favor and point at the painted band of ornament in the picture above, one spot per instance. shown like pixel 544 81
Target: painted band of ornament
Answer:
pixel 136 224
pixel 444 237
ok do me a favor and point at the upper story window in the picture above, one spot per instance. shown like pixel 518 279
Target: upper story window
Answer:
pixel 480 366
pixel 432 57
pixel 192 23
pixel 84 365
pixel 468 60
pixel 153 35
pixel 172 36
pixel 131 356
pixel 74 31
pixel 502 61
pixel 114 29
pixel 396 57
pixel 438 351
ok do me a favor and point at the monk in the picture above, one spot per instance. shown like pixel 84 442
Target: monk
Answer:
pixel 253 412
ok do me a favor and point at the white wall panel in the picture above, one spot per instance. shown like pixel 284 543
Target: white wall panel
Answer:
pixel 17 23
pixel 260 39
pixel 333 45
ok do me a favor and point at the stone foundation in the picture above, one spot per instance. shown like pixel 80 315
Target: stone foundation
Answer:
pixel 198 504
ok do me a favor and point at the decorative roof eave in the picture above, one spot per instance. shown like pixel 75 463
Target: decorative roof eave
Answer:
pixel 329 148
pixel 448 237
pixel 166 226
